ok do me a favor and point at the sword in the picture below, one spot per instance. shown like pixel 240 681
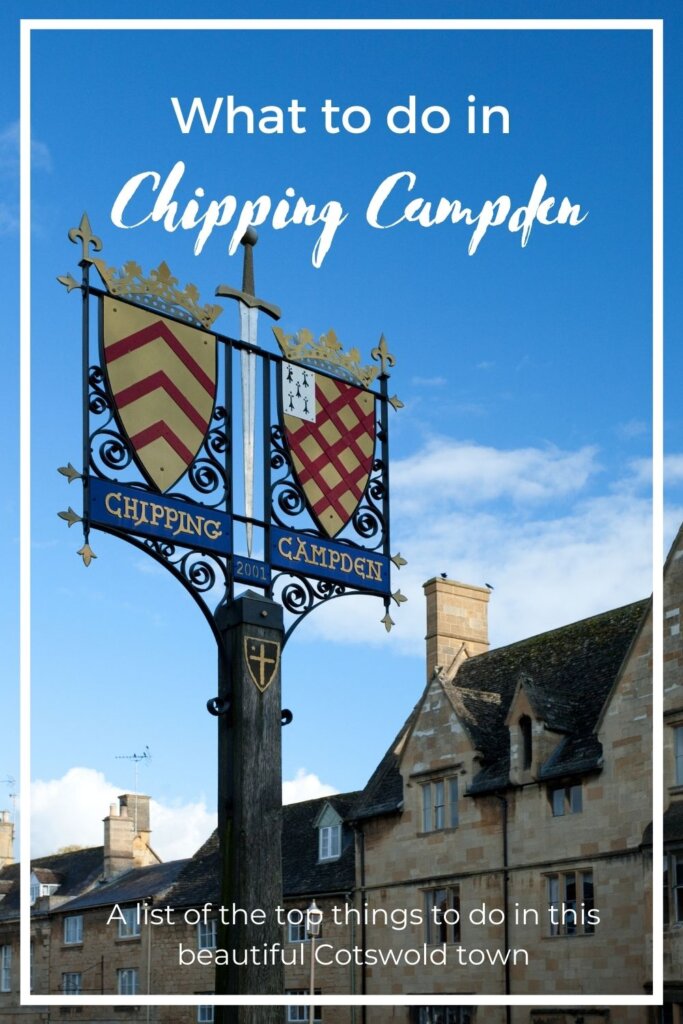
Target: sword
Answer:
pixel 249 306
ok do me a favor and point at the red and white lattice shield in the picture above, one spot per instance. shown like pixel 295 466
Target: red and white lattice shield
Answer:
pixel 330 431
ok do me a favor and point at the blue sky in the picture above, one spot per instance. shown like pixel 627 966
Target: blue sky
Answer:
pixel 521 456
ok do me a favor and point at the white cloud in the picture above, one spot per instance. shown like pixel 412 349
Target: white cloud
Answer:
pixel 673 469
pixel 520 520
pixel 41 159
pixel 305 786
pixel 69 811
pixel 429 382
pixel 178 830
pixel 447 471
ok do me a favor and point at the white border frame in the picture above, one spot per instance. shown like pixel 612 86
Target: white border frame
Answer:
pixel 655 26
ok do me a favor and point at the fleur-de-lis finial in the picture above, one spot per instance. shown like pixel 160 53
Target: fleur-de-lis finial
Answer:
pixel 83 234
pixel 383 356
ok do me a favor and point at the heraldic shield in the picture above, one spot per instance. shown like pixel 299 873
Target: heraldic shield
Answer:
pixel 330 430
pixel 162 377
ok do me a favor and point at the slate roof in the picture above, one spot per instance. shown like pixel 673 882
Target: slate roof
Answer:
pixel 134 885
pixel 77 871
pixel 567 674
pixel 383 793
pixel 302 874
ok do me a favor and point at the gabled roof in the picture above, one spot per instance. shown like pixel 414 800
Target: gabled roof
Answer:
pixel 383 793
pixel 46 876
pixel 302 874
pixel 136 884
pixel 76 870
pixel 567 673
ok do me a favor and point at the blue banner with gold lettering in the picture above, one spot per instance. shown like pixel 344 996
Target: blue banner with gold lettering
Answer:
pixel 323 559
pixel 153 515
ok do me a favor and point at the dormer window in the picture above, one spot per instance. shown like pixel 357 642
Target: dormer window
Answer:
pixel 39 888
pixel 329 842
pixel 329 826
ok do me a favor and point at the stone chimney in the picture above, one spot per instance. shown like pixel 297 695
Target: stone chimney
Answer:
pixel 6 839
pixel 457 615
pixel 126 835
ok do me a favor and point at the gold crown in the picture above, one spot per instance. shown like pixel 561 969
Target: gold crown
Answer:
pixel 159 291
pixel 302 348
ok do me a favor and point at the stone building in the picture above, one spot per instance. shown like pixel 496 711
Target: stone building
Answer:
pixel 673 785
pixel 506 829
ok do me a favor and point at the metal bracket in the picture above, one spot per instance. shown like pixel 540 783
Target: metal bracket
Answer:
pixel 218 707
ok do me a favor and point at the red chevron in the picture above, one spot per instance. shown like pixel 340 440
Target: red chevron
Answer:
pixel 151 333
pixel 160 380
pixel 161 429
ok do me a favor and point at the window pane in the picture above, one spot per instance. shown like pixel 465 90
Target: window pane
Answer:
pixel 679 869
pixel 587 884
pixel 427 808
pixel 576 799
pixel 558 802
pixel 453 801
pixel 665 882
pixel 439 818
pixel 455 906
pixel 678 754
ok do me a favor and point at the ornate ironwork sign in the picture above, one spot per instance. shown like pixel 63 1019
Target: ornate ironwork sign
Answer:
pixel 301 512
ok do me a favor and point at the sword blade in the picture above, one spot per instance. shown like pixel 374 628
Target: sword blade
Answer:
pixel 248 330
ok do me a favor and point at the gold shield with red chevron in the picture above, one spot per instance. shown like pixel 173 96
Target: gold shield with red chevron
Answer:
pixel 330 432
pixel 162 377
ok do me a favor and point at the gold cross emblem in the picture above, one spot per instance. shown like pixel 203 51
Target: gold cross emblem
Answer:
pixel 262 658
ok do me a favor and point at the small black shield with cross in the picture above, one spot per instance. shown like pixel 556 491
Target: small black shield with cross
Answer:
pixel 262 658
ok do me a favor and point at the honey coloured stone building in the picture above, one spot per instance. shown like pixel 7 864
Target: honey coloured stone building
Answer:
pixel 502 846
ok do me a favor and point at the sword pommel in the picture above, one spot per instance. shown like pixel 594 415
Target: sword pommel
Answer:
pixel 247 295
pixel 249 241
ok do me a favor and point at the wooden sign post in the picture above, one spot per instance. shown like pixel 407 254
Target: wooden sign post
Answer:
pixel 250 802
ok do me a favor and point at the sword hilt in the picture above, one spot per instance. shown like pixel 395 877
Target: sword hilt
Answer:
pixel 247 294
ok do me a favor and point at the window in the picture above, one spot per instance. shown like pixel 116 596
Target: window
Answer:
pixel 445 1015
pixel 297 925
pixel 127 981
pixel 5 968
pixel 673 888
pixel 73 929
pixel 570 903
pixel 439 804
pixel 678 753
pixel 129 926
pixel 442 915
pixel 296 932
pixel 565 800
pixel 302 1014
pixel 206 935
pixel 205 1015
pixel 39 889
pixel 330 842
pixel 71 984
